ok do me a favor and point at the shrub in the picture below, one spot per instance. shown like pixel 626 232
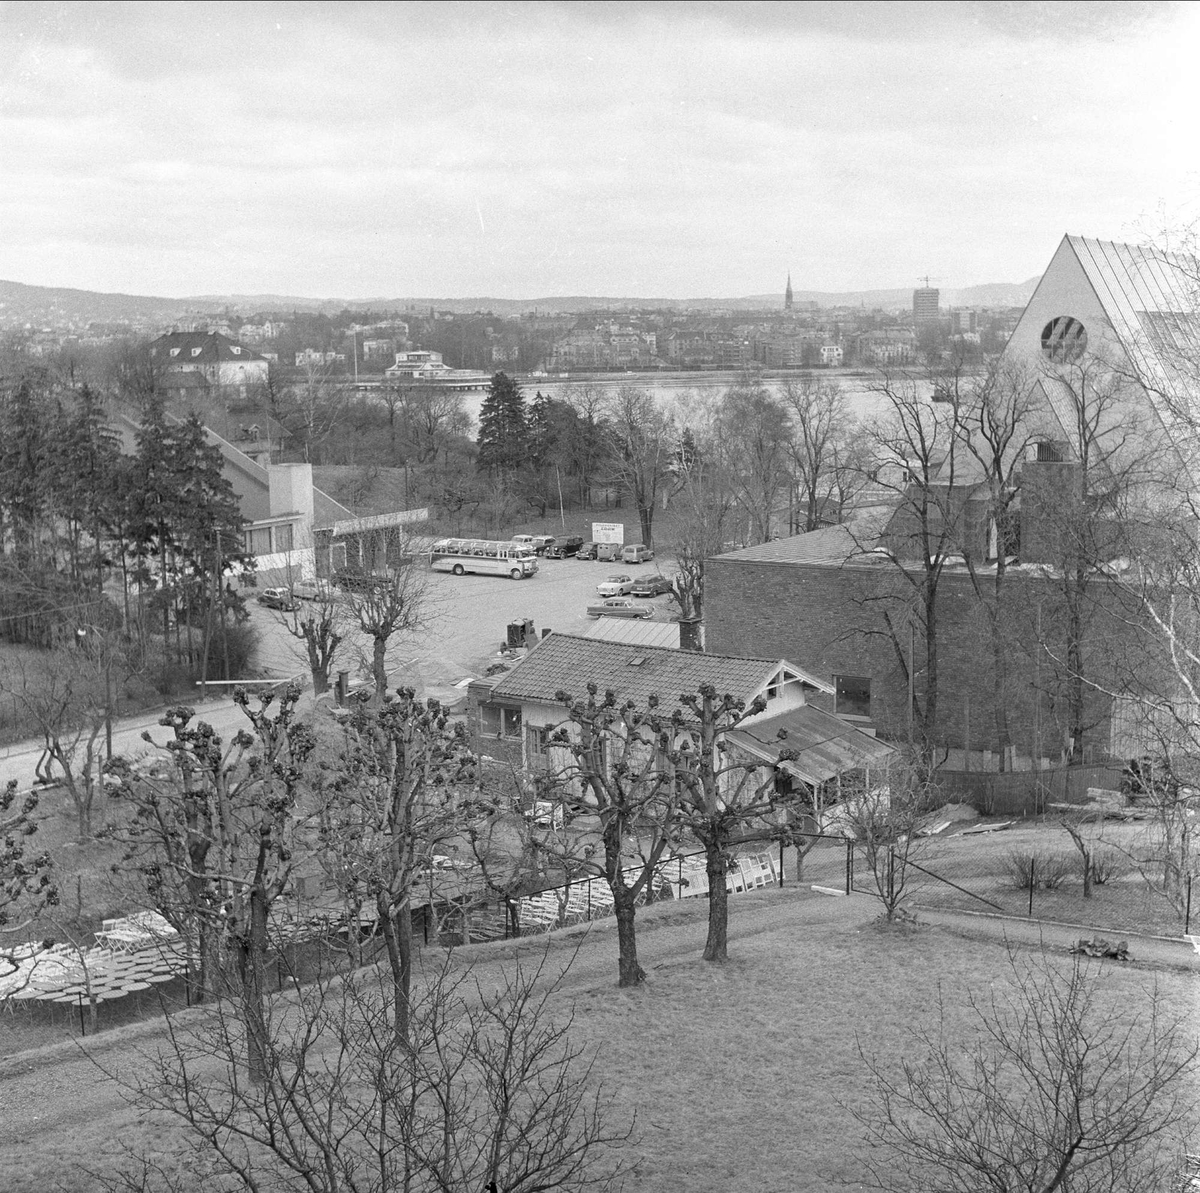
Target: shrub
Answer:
pixel 1108 865
pixel 1049 872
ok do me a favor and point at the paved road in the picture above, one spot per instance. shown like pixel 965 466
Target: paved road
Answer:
pixel 470 619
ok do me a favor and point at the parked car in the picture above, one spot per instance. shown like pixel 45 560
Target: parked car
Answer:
pixel 353 580
pixel 650 586
pixel 586 551
pixel 622 606
pixel 542 543
pixel 618 585
pixel 524 539
pixel 562 548
pixel 278 598
pixel 608 552
pixel 636 553
pixel 312 590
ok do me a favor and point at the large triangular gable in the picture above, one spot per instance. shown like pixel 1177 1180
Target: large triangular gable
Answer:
pixel 1137 306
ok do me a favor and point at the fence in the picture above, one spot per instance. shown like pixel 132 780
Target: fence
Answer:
pixel 819 860
pixel 1033 869
pixel 1025 793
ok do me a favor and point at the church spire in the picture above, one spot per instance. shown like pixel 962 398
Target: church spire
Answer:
pixel 787 294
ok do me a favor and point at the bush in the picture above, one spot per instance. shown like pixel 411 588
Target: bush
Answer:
pixel 1108 865
pixel 1049 870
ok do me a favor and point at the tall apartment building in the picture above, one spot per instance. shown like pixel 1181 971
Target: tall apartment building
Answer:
pixel 925 305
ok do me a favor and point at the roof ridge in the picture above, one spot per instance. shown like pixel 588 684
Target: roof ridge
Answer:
pixel 670 650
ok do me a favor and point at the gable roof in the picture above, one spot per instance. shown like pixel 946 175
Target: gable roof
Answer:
pixel 826 744
pixel 568 663
pixel 635 631
pixel 1139 305
pixel 212 347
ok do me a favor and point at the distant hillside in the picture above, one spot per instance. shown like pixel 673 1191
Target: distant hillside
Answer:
pixel 39 306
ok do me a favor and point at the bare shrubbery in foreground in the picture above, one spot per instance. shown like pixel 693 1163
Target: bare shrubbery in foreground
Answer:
pixel 489 1092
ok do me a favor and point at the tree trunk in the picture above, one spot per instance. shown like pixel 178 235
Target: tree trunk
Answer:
pixel 252 947
pixel 397 937
pixel 716 946
pixel 630 973
pixel 378 668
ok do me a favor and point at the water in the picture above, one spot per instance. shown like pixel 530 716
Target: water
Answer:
pixel 682 393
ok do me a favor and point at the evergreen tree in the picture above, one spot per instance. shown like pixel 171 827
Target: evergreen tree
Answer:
pixel 503 426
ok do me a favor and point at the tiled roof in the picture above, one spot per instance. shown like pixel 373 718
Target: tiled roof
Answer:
pixel 827 744
pixel 634 632
pixel 568 663
pixel 212 344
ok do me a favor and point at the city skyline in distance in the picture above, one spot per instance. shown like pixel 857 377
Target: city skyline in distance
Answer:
pixel 656 152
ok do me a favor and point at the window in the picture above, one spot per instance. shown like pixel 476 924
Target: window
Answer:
pixel 1048 453
pixel 174 351
pixel 538 737
pixel 283 537
pixel 236 350
pixel 775 686
pixel 853 695
pixel 498 720
pixel 1064 340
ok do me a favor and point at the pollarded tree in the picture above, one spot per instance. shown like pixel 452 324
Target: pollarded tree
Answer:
pixel 611 773
pixel 214 840
pixel 26 881
pixel 503 426
pixel 723 800
pixel 403 786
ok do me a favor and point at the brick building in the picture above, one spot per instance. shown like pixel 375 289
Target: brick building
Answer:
pixel 1095 354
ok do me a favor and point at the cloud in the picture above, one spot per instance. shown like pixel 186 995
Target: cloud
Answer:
pixel 658 150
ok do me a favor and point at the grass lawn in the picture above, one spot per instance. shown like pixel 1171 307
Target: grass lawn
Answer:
pixel 740 1075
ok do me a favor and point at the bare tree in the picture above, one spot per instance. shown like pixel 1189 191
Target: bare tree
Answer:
pixel 915 448
pixel 66 692
pixel 1088 501
pixel 702 504
pixel 1062 1088
pixel 998 423
pixel 488 1093
pixel 640 444
pixel 823 450
pixel 391 601
pixel 884 820
pixel 753 430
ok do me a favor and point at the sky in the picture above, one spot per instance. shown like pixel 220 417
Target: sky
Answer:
pixel 518 150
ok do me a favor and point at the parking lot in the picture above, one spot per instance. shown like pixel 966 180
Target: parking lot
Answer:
pixel 469 619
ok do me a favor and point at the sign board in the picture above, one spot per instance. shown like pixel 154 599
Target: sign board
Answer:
pixel 608 532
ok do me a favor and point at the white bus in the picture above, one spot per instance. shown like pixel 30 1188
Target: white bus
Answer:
pixel 483 555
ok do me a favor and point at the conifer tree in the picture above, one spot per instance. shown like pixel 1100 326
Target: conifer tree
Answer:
pixel 503 426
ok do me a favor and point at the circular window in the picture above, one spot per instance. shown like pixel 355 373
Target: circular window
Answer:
pixel 1064 339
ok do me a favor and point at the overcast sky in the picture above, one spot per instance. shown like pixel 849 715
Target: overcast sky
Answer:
pixel 514 150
